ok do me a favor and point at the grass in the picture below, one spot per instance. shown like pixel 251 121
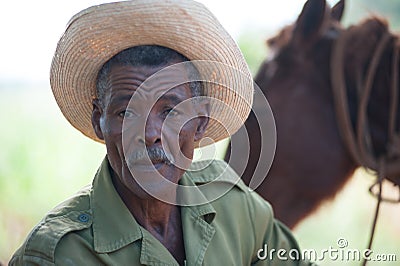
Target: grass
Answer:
pixel 43 161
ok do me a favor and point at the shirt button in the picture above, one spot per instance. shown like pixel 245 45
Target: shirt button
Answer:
pixel 84 218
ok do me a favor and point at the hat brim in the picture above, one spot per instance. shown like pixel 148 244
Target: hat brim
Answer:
pixel 96 34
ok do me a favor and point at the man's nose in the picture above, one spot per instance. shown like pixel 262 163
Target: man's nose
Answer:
pixel 152 131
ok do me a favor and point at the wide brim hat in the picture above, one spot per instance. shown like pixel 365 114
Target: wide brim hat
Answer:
pixel 96 34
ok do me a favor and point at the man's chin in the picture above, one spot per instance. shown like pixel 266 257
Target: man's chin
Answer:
pixel 151 175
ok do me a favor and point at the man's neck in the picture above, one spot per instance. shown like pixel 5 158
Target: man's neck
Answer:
pixel 149 212
pixel 154 215
pixel 162 220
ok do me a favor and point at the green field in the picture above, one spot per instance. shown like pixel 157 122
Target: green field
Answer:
pixel 43 161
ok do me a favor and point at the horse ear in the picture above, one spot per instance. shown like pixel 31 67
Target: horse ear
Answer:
pixel 337 10
pixel 310 22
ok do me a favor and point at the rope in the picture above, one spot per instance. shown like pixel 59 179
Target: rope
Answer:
pixel 388 165
pixel 393 136
pixel 378 205
pixel 367 154
pixel 358 146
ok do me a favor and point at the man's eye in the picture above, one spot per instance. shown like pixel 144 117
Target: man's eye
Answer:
pixel 127 114
pixel 171 112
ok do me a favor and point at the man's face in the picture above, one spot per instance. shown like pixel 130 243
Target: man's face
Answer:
pixel 149 131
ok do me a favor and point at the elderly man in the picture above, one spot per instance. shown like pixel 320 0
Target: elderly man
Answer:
pixel 128 74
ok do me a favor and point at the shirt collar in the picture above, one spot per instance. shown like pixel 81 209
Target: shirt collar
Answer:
pixel 211 180
pixel 113 225
pixel 115 229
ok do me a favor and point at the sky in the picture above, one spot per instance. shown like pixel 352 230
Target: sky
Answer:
pixel 30 29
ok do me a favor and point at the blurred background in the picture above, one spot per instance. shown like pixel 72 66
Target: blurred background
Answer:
pixel 43 160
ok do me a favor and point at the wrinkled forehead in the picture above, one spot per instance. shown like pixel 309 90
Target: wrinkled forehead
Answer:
pixel 151 82
pixel 174 72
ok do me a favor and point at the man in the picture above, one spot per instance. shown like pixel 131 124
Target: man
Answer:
pixel 126 74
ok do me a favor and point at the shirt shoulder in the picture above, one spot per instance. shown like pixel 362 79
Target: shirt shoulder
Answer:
pixel 220 174
pixel 74 214
pixel 229 195
pixel 241 213
pixel 217 171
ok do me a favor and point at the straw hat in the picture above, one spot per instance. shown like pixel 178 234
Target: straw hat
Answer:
pixel 96 34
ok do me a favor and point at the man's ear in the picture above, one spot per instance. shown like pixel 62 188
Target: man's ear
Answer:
pixel 96 116
pixel 203 118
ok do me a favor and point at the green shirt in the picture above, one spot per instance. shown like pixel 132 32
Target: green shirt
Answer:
pixel 94 227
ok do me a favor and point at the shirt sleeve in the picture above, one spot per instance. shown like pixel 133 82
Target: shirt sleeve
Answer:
pixel 276 244
pixel 40 246
pixel 19 259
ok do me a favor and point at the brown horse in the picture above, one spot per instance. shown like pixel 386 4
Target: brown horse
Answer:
pixel 313 160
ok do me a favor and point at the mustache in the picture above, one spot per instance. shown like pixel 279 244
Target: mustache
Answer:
pixel 152 154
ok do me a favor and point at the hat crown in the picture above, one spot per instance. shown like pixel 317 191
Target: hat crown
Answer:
pixel 97 33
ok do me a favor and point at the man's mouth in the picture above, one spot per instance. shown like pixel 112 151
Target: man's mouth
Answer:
pixel 156 163
pixel 152 157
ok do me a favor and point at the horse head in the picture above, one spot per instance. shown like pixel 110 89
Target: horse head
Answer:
pixel 302 43
pixel 313 159
pixel 296 82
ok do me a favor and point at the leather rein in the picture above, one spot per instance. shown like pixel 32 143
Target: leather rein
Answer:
pixel 357 139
